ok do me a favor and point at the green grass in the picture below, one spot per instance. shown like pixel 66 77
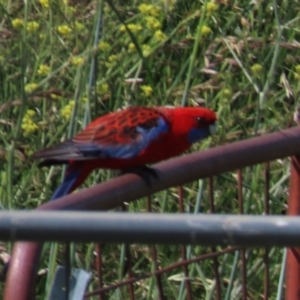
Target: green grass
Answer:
pixel 240 58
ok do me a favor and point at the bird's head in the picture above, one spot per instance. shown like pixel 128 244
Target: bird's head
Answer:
pixel 195 122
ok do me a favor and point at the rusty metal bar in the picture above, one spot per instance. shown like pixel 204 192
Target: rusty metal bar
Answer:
pixel 128 263
pixel 181 170
pixel 99 269
pixel 242 251
pixel 293 255
pixel 173 172
pixel 154 258
pixel 215 259
pixel 267 188
pixel 183 249
pixel 266 253
pixel 67 270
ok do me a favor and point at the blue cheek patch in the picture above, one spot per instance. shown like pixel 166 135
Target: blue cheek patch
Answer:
pixel 197 134
pixel 146 136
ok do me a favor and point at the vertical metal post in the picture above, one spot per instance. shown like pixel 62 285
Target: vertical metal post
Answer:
pixel 266 254
pixel 27 254
pixel 293 254
pixel 214 249
pixel 183 249
pixel 243 251
pixel 155 262
pixel 128 264
pixel 99 267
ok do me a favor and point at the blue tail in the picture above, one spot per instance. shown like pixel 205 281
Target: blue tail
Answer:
pixel 66 185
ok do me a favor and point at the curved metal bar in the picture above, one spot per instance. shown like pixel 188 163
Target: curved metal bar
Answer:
pixel 21 274
pixel 293 254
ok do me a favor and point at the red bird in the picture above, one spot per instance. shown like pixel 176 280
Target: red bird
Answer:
pixel 126 139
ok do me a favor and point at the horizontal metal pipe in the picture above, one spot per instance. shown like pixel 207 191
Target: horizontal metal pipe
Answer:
pixel 150 228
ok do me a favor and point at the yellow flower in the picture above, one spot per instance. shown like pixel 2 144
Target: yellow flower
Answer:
pixel 112 58
pixel 205 30
pixel 66 111
pixel 149 9
pixel 211 8
pixel 70 10
pixel 297 69
pixel 155 11
pixel 32 26
pixel 45 3
pixel 54 96
pixel 132 27
pixel 139 27
pixel 106 9
pixel 147 90
pixel 64 29
pixel 146 50
pixel 103 46
pixel 296 76
pixel 30 113
pixel 77 61
pixel 122 28
pixel 131 47
pixel 79 26
pixel 227 92
pixel 30 87
pixel 28 125
pixel 256 69
pixel 17 23
pixel 152 23
pixel 102 88
pixel 43 70
pixel 159 35
pixel 145 8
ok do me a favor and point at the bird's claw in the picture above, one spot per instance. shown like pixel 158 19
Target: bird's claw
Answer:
pixel 146 173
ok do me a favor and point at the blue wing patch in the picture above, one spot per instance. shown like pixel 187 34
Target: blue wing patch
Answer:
pixel 146 136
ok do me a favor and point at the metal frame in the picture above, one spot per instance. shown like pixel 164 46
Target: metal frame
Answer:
pixel 129 187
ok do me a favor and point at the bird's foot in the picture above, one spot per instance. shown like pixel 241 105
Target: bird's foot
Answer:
pixel 146 173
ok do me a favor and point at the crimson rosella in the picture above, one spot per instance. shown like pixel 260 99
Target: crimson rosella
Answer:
pixel 133 137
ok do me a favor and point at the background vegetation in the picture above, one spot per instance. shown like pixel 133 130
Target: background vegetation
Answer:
pixel 64 63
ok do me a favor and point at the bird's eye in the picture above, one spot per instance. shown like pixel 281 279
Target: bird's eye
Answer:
pixel 200 121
